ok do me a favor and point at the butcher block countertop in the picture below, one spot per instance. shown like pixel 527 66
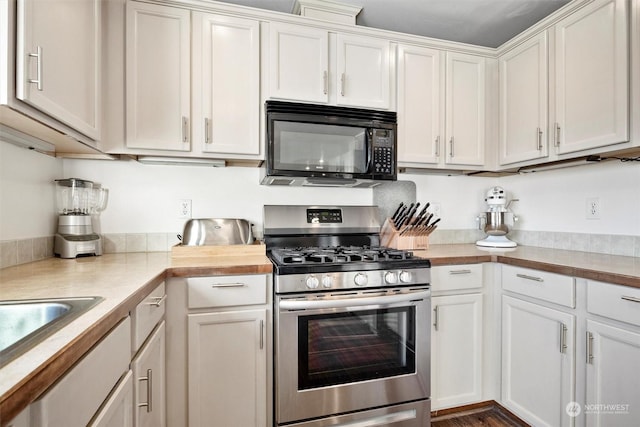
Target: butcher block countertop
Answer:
pixel 123 280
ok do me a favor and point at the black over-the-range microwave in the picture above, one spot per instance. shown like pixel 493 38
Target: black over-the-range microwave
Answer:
pixel 323 145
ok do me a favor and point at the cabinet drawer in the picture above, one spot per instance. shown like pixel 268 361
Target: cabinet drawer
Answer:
pixel 614 301
pixel 74 399
pixel 224 291
pixel 146 315
pixel 551 287
pixel 456 277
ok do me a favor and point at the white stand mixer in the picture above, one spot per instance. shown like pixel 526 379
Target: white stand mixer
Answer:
pixel 497 220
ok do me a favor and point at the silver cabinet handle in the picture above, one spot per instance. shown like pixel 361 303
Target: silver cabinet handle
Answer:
pixel 437 143
pixel 460 272
pixel 451 147
pixel 207 127
pixel 228 285
pixel 539 133
pixel 589 348
pixel 38 79
pixel 325 82
pixel 436 317
pixel 557 141
pixel 632 299
pixel 525 276
pixel 149 380
pixel 185 129
pixel 563 338
pixel 342 81
pixel 261 334
pixel 157 301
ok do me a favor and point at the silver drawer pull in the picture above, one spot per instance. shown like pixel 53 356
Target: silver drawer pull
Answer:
pixel 436 317
pixel 38 79
pixel 563 338
pixel 460 272
pixel 589 348
pixel 157 301
pixel 228 285
pixel 632 299
pixel 149 380
pixel 525 276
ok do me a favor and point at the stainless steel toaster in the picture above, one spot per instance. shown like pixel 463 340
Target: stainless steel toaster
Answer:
pixel 217 231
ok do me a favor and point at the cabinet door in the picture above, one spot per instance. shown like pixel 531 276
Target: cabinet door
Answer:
pixel 298 63
pixel 591 77
pixel 465 108
pixel 613 376
pixel 523 102
pixel 118 410
pixel 58 61
pixel 226 72
pixel 227 369
pixel 538 362
pixel 456 350
pixel 149 389
pixel 157 77
pixel 419 104
pixel 362 75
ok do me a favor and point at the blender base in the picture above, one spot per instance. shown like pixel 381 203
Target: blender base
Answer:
pixel 72 246
pixel 496 242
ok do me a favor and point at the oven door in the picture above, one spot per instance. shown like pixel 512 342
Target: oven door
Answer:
pixel 350 351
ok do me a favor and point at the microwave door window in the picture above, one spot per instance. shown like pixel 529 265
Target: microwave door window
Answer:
pixel 319 148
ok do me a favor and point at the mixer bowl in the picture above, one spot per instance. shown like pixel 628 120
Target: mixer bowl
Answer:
pixel 494 224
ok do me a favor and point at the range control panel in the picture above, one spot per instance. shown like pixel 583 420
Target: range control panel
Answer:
pixel 324 216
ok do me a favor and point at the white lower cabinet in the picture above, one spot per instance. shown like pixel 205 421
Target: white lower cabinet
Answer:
pixel 456 335
pixel 149 388
pixel 118 409
pixel 219 351
pixel 227 368
pixel 456 350
pixel 612 356
pixel 538 362
pixel 76 398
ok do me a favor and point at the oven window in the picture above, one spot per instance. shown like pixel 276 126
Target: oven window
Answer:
pixel 320 148
pixel 355 346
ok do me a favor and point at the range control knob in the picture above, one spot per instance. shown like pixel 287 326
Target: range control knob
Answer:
pixel 327 281
pixel 390 277
pixel 406 276
pixel 360 279
pixel 312 282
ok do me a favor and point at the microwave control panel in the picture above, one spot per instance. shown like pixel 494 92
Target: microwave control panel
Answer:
pixel 382 141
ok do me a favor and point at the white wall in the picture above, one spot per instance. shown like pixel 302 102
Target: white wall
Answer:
pixel 556 200
pixel 145 198
pixel 27 193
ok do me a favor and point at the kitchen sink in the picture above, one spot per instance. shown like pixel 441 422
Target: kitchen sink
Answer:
pixel 25 323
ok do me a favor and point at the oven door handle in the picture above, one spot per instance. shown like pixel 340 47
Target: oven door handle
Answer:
pixel 353 302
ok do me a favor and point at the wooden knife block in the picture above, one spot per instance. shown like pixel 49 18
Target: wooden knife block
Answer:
pixel 390 237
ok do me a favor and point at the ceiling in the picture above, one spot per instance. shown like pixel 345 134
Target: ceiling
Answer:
pixel 487 23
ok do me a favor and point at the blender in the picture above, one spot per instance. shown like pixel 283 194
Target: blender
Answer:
pixel 496 220
pixel 78 201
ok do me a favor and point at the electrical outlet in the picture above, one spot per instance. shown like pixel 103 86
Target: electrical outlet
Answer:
pixel 436 210
pixel 593 208
pixel 184 209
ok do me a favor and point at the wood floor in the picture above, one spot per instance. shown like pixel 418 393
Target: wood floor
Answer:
pixel 489 416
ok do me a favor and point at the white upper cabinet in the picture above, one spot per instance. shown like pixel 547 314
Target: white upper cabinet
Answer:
pixel 58 61
pixel 591 77
pixel 306 64
pixel 419 104
pixel 465 109
pixel 226 69
pixel 363 71
pixel 299 63
pixel 523 101
pixel 158 82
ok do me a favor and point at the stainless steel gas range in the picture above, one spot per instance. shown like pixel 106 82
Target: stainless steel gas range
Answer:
pixel 352 328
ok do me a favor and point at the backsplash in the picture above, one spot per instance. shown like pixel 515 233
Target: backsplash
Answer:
pixel 15 252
